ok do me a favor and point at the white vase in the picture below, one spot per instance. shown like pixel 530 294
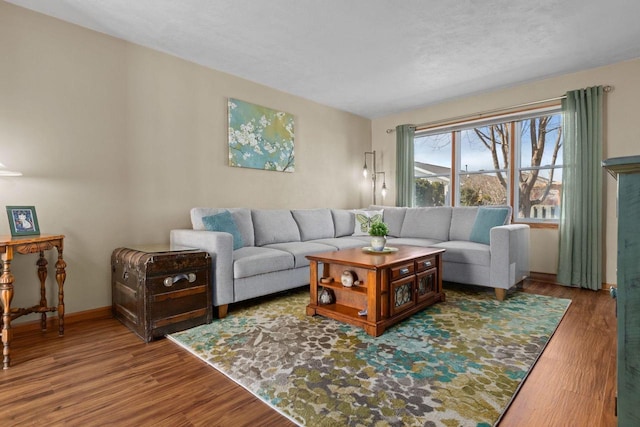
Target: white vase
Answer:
pixel 378 242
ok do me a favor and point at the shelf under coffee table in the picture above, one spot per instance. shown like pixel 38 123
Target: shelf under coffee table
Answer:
pixel 393 285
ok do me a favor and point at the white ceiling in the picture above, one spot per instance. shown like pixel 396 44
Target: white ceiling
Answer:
pixel 372 57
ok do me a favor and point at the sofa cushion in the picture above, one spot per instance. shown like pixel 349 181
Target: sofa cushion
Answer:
pixel 462 219
pixel 299 250
pixel 252 260
pixel 339 243
pixel 393 217
pixel 274 226
pixel 427 223
pixel 343 222
pixel 410 241
pixel 465 252
pixel 363 220
pixel 224 222
pixel 241 216
pixel 314 223
pixel 486 219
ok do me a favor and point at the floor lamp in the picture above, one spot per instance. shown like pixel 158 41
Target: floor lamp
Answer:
pixel 374 175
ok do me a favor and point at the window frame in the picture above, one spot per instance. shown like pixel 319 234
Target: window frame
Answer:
pixel 512 173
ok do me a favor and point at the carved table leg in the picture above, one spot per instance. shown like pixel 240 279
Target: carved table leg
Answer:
pixel 42 275
pixel 61 275
pixel 6 295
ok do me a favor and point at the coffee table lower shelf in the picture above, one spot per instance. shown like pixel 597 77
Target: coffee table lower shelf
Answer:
pixel 341 313
pixel 350 315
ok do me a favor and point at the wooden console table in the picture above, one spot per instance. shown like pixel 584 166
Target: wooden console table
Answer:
pixel 29 245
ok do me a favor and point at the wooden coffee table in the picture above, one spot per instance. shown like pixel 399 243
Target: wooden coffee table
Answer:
pixel 393 286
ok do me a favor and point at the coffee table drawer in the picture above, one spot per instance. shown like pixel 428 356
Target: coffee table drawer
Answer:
pixel 425 263
pixel 402 271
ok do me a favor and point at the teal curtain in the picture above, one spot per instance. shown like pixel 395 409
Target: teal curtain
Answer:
pixel 580 225
pixel 405 189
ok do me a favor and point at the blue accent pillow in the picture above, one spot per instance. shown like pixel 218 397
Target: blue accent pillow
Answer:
pixel 224 222
pixel 486 219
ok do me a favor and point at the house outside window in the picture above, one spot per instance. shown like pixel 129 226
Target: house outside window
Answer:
pixel 432 177
pixel 514 160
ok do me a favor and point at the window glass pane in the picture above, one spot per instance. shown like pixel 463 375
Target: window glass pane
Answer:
pixel 433 150
pixel 539 194
pixel 478 189
pixel 541 141
pixel 433 191
pixel 432 169
pixel 485 148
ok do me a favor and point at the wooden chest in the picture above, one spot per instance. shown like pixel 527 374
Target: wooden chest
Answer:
pixel 156 291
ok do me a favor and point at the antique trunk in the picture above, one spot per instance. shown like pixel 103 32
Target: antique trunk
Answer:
pixel 157 290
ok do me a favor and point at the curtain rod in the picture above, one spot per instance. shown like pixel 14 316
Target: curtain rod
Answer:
pixel 606 89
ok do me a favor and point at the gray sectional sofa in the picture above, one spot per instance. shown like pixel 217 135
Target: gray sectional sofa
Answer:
pixel 271 245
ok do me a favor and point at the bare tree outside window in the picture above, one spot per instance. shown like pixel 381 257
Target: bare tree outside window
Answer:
pixel 540 177
pixel 484 152
pixel 497 140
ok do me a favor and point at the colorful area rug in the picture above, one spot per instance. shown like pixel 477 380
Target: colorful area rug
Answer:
pixel 457 363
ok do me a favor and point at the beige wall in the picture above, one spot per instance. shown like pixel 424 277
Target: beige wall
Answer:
pixel 117 142
pixel 622 128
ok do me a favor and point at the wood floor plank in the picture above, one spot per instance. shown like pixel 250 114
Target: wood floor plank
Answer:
pixel 100 373
pixel 573 382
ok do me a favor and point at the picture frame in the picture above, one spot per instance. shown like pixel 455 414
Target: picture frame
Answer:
pixel 23 221
pixel 260 137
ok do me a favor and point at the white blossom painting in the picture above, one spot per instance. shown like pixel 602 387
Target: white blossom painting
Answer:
pixel 260 138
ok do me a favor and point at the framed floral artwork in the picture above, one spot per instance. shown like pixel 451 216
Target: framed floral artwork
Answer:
pixel 260 138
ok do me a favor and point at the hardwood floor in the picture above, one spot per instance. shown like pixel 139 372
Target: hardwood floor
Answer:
pixel 100 373
pixel 573 382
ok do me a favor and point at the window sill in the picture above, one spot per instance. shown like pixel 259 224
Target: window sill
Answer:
pixel 551 225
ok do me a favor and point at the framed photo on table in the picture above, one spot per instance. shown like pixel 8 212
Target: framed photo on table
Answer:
pixel 23 221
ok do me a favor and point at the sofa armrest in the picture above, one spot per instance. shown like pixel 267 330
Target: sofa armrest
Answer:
pixel 219 245
pixel 509 245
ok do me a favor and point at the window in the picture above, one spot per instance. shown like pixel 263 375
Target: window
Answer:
pixel 514 160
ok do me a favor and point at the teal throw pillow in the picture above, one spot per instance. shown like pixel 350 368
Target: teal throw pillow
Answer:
pixel 486 219
pixel 224 222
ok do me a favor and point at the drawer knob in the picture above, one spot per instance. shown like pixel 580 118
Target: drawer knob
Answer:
pixel 427 263
pixel 404 270
pixel 169 281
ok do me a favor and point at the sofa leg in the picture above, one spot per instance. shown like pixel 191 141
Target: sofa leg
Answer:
pixel 501 294
pixel 222 311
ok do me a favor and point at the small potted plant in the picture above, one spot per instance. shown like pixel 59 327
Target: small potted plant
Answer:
pixel 378 232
